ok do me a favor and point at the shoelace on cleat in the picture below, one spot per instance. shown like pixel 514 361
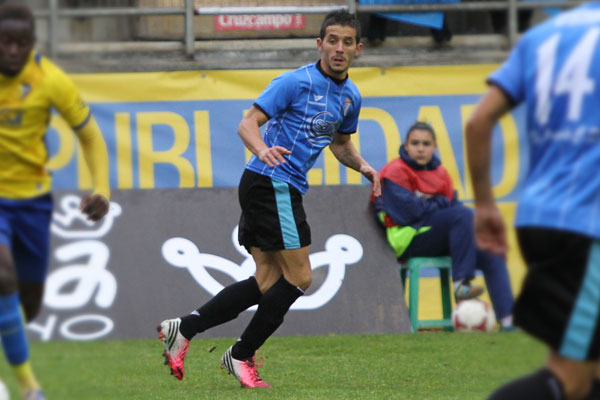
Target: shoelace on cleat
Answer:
pixel 259 364
pixel 184 351
pixel 253 368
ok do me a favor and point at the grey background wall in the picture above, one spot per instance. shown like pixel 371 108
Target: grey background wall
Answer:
pixel 162 253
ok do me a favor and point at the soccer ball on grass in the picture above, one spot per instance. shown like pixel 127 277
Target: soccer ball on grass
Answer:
pixel 4 392
pixel 473 315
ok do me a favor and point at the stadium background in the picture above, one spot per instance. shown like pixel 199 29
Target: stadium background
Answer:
pixel 175 131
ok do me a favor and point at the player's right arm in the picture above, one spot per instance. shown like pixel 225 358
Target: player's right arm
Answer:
pixel 249 131
pixel 507 89
pixel 490 231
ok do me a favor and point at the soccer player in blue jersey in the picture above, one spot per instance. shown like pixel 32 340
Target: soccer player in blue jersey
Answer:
pixel 307 110
pixel 555 71
pixel 30 85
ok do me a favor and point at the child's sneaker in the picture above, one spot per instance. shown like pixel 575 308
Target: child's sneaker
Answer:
pixel 467 291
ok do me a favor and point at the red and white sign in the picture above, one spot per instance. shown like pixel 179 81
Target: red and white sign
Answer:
pixel 259 22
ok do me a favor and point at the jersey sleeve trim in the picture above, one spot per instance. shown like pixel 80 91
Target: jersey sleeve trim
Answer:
pixel 346 132
pixel 85 121
pixel 494 82
pixel 262 110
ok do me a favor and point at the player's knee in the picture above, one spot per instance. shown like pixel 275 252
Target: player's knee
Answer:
pixel 577 387
pixel 305 280
pixel 31 310
pixel 576 377
pixel 301 280
pixel 31 300
pixel 8 281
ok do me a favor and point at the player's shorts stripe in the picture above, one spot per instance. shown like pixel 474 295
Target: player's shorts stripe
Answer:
pixel 291 239
pixel 582 323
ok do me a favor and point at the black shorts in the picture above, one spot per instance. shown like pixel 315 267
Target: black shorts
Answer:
pixel 560 299
pixel 273 217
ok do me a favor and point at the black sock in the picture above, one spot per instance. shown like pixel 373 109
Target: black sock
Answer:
pixel 225 306
pixel 541 385
pixel 272 307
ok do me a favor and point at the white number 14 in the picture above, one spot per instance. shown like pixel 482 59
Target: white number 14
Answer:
pixel 572 79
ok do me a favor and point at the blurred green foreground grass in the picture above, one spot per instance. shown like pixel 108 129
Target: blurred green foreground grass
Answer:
pixel 428 365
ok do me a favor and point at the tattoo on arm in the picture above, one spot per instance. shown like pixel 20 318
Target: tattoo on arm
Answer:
pixel 349 158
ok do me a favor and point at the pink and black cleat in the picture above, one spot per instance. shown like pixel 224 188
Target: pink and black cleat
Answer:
pixel 244 371
pixel 175 344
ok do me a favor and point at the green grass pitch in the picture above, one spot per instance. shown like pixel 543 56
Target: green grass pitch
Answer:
pixel 428 365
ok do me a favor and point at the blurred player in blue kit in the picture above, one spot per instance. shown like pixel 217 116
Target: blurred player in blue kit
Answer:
pixel 555 71
pixel 307 109
pixel 30 85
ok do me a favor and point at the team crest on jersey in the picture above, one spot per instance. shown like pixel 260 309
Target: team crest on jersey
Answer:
pixel 11 116
pixel 322 128
pixel 347 105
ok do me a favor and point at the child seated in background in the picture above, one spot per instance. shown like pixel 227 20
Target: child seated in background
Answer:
pixel 423 218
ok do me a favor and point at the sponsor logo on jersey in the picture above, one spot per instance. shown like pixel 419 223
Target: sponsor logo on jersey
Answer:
pixel 322 128
pixel 11 116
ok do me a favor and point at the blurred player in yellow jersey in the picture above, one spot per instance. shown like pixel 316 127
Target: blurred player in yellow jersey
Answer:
pixel 30 86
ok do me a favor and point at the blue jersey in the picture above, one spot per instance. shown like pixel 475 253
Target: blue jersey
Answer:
pixel 305 109
pixel 555 70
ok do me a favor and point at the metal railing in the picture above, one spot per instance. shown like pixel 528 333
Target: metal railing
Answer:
pixel 53 13
pixel 510 6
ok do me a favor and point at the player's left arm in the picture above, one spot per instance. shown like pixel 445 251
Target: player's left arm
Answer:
pixel 490 230
pixel 96 205
pixel 343 149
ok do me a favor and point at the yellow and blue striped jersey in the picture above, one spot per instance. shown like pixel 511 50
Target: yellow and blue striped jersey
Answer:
pixel 26 101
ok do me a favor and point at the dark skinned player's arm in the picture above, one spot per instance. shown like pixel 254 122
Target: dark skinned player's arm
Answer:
pixel 96 156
